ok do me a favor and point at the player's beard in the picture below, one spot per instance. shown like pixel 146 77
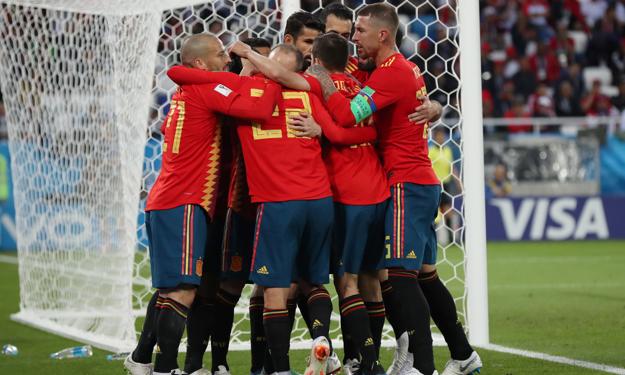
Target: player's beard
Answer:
pixel 307 63
pixel 368 65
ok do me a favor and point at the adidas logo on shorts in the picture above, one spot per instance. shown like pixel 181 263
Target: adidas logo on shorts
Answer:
pixel 411 255
pixel 317 324
pixel 368 341
pixel 263 270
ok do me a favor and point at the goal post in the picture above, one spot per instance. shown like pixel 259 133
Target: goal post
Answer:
pixel 86 90
pixel 473 146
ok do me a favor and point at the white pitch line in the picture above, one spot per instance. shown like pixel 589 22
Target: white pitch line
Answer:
pixel 8 259
pixel 556 359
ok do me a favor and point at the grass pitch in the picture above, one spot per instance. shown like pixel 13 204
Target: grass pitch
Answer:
pixel 563 298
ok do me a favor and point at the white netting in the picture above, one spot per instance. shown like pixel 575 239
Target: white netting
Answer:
pixel 75 86
pixel 77 89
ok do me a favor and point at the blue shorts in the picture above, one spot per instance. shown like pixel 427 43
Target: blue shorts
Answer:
pixel 237 247
pixel 292 241
pixel 179 238
pixel 358 241
pixel 410 237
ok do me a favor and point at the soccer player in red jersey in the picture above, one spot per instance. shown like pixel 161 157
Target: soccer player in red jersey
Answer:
pixel 287 177
pixel 181 204
pixel 360 192
pixel 393 90
pixel 237 240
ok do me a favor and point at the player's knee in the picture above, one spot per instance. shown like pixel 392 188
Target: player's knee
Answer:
pixel 427 268
pixel 369 286
pixel 347 285
pixel 305 288
pixel 275 298
pixel 183 293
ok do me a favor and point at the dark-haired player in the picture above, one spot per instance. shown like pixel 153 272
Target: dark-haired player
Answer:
pixel 301 30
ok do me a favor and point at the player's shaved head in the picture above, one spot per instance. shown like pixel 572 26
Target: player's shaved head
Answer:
pixel 381 15
pixel 204 51
pixel 289 56
pixel 197 46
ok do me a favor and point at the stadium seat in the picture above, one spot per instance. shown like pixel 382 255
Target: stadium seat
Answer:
pixel 580 39
pixel 600 73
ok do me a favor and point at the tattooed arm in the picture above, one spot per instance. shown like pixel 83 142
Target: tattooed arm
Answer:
pixel 327 85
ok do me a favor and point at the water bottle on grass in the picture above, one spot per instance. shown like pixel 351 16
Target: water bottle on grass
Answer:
pixel 84 351
pixel 10 350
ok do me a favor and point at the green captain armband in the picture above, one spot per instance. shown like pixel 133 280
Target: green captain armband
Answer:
pixel 362 105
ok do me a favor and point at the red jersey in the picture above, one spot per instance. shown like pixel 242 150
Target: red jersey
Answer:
pixel 356 175
pixel 221 204
pixel 238 192
pixel 192 140
pixel 353 69
pixel 281 167
pixel 391 93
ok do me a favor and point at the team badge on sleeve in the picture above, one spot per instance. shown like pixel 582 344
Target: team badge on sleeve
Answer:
pixel 223 90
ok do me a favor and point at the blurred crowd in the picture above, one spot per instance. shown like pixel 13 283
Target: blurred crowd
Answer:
pixel 539 58
pixel 552 58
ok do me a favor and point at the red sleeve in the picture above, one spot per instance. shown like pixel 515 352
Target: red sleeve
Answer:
pixel 315 86
pixel 340 107
pixel 337 135
pixel 361 75
pixel 182 75
pixel 238 103
pixel 353 69
pixel 256 108
pixel 386 86
pixel 382 90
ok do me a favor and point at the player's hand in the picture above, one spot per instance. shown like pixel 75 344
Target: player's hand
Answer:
pixel 304 125
pixel 240 49
pixel 249 69
pixel 429 110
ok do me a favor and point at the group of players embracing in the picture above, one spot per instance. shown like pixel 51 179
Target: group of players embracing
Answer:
pixel 281 177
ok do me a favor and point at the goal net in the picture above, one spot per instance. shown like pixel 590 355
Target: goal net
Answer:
pixel 86 91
